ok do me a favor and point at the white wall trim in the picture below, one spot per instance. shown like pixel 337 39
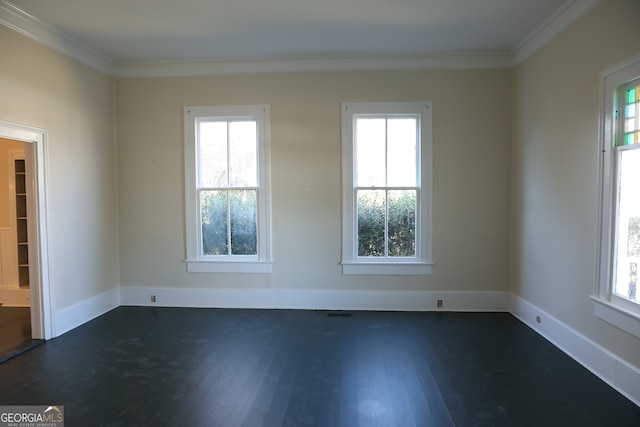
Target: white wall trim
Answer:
pixel 617 315
pixel 42 290
pixel 330 299
pixel 457 61
pixel 618 373
pixel 34 28
pixel 566 15
pixel 84 311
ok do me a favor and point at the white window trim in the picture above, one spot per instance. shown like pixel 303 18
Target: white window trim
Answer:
pixel 608 307
pixel 196 262
pixel 351 263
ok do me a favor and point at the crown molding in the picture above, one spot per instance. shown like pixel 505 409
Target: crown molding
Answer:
pixel 13 17
pixel 312 64
pixel 566 15
pixel 34 28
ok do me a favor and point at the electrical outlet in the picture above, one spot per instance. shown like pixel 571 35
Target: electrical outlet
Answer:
pixel 439 304
pixel 538 320
pixel 153 298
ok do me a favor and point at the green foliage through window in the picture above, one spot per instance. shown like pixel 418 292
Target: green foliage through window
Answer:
pixel 229 222
pixel 386 223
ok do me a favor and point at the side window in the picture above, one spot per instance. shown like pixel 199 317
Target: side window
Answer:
pixel 386 188
pixel 627 192
pixel 617 299
pixel 227 189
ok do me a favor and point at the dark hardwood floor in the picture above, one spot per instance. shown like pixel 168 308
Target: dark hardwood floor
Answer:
pixel 15 332
pixel 138 366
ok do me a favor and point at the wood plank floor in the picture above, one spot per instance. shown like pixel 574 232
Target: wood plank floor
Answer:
pixel 15 332
pixel 139 366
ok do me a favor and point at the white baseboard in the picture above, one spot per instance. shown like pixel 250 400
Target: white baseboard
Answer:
pixel 619 374
pixel 78 314
pixel 316 299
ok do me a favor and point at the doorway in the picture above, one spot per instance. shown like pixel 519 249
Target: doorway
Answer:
pixel 26 161
pixel 15 222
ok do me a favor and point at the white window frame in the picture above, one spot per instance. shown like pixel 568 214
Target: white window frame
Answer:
pixel 422 263
pixel 195 260
pixel 618 311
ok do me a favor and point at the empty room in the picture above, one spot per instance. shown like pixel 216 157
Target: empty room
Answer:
pixel 354 213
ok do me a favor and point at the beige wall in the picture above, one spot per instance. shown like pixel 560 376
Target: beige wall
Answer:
pixel 555 167
pixel 43 88
pixel 471 116
pixel 6 180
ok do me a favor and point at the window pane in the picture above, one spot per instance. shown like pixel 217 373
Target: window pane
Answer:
pixel 213 211
pixel 213 154
pixel 629 139
pixel 371 222
pixel 401 152
pixel 632 116
pixel 402 223
pixel 628 226
pixel 630 110
pixel 244 240
pixel 242 155
pixel 370 152
pixel 629 125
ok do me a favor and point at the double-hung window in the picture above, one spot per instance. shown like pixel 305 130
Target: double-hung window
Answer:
pixel 386 187
pixel 227 189
pixel 617 297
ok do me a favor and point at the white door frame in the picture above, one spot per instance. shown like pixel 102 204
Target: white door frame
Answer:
pixel 42 303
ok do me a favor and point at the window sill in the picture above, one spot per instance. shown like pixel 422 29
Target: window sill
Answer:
pixel 393 269
pixel 254 267
pixel 619 317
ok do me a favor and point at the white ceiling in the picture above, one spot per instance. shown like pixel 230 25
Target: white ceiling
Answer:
pixel 146 31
